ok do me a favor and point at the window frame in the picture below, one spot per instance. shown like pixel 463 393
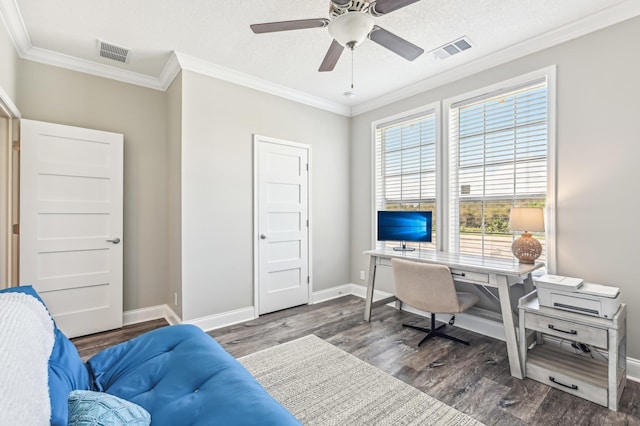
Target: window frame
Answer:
pixel 442 120
pixel 548 73
pixel 432 108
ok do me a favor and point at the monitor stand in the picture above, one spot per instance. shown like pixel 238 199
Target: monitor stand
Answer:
pixel 404 247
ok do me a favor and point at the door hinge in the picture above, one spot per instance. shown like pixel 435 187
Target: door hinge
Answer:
pixel 307 223
pixel 307 166
pixel 308 279
pixel 16 146
pixel 16 229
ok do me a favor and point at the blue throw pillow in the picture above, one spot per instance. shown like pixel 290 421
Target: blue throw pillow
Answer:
pixel 67 372
pixel 87 408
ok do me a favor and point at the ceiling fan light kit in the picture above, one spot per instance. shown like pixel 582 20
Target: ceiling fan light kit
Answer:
pixel 351 29
pixel 350 23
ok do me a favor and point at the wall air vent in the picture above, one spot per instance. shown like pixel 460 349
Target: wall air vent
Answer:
pixel 113 52
pixel 453 48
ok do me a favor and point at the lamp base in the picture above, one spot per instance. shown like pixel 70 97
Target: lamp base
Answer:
pixel 526 248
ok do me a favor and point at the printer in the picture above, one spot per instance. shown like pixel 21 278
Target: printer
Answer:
pixel 575 295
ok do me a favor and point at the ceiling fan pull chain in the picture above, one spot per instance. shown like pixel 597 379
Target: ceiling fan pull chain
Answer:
pixel 352 68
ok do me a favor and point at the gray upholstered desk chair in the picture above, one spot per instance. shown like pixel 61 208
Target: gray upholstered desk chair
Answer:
pixel 430 288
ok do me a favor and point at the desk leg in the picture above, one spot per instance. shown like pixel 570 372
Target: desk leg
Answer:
pixel 528 284
pixel 509 327
pixel 370 285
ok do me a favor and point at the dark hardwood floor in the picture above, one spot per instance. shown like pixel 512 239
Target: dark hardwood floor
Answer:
pixel 474 379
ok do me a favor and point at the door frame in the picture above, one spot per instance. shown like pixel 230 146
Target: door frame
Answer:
pixel 9 185
pixel 257 140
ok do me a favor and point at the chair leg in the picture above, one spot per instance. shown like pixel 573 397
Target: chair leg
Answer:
pixel 415 327
pixel 435 333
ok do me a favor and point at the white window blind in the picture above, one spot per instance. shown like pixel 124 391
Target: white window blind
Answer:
pixel 497 160
pixel 405 167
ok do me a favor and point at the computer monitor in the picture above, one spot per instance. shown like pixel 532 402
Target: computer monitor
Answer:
pixel 403 226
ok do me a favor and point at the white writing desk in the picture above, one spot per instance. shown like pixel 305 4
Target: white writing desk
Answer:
pixel 479 270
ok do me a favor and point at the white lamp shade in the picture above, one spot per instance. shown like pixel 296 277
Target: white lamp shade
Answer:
pixel 530 219
pixel 352 27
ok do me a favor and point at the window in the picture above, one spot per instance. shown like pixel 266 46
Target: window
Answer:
pixel 497 160
pixel 498 152
pixel 405 166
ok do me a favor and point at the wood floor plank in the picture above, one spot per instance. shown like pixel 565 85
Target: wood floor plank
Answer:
pixel 475 379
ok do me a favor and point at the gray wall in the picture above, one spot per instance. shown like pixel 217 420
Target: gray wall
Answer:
pixel 219 121
pixel 61 96
pixel 598 147
pixel 8 64
pixel 174 170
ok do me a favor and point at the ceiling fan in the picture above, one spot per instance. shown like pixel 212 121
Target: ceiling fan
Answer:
pixel 350 23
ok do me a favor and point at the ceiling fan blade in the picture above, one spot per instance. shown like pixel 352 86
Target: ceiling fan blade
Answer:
pixel 382 7
pixel 332 56
pixel 301 24
pixel 395 44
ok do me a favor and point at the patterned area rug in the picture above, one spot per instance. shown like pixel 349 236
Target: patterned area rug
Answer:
pixel 323 385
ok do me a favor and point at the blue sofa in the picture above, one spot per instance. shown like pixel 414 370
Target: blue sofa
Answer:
pixel 178 373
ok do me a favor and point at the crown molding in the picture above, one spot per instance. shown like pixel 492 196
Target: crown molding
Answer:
pixel 597 21
pixel 177 61
pixel 56 59
pixel 15 26
pixel 212 70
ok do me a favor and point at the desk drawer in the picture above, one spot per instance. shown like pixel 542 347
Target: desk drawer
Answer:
pixel 477 277
pixel 567 330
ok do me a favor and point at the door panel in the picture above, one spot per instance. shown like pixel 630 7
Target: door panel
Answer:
pixel 282 222
pixel 71 203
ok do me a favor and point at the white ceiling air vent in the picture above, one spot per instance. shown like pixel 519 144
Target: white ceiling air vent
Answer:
pixel 113 52
pixel 450 49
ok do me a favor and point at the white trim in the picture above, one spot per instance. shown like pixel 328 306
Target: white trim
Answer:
pixel 217 71
pixel 7 105
pixel 15 26
pixel 49 57
pixel 170 71
pixel 144 314
pixel 552 172
pixel 549 73
pixel 150 313
pixel 223 319
pixel 597 21
pixel 633 369
pixel 331 293
pixel 171 317
pixel 434 107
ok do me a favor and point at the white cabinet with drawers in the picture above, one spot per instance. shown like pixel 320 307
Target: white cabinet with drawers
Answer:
pixel 579 354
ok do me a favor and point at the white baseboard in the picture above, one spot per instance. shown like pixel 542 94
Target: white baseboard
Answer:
pixel 149 314
pixel 468 322
pixel 145 314
pixel 633 369
pixel 223 319
pixel 331 293
pixel 171 317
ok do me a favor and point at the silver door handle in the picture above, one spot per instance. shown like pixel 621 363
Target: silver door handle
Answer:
pixel 114 241
pixel 263 237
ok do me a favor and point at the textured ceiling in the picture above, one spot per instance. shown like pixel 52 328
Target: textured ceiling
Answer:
pixel 218 32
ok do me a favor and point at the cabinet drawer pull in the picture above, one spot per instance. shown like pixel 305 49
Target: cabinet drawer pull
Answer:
pixel 574 387
pixel 562 331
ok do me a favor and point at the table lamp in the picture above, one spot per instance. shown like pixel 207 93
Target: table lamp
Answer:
pixel 527 219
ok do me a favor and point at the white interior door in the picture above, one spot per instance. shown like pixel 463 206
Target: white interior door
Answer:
pixel 282 225
pixel 71 200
